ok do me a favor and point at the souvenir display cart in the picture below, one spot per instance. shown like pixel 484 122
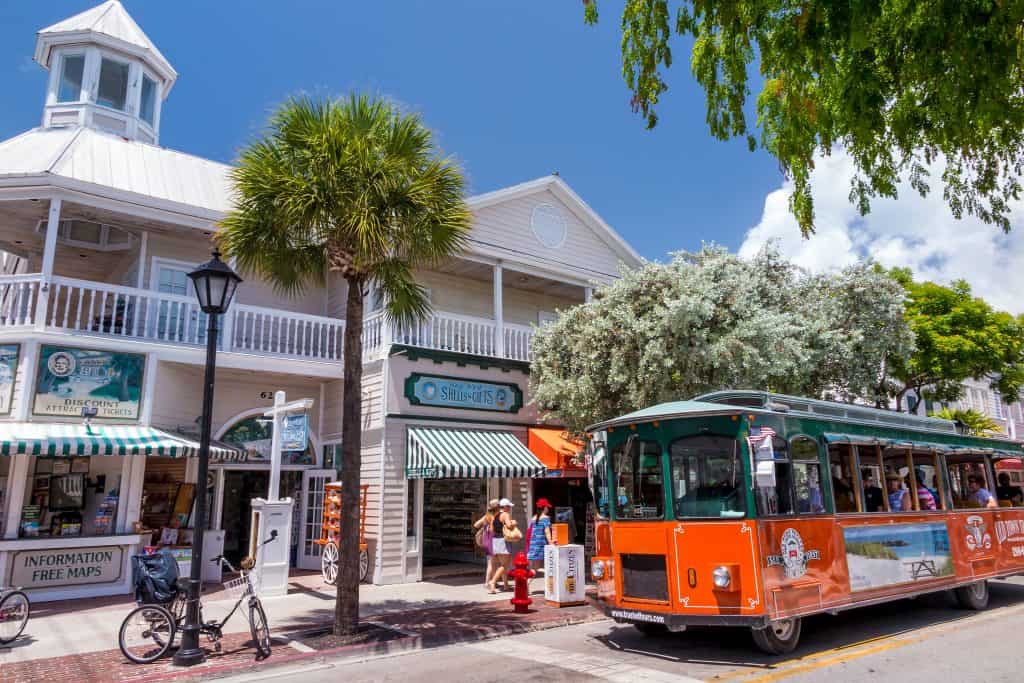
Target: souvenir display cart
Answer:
pixel 330 529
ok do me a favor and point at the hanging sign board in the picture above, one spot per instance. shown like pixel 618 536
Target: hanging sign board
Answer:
pixel 70 379
pixel 8 371
pixel 295 432
pixel 452 392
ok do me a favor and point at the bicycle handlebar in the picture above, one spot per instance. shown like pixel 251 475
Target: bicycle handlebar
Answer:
pixel 223 560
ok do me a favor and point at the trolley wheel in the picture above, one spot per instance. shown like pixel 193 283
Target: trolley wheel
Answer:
pixel 651 630
pixel 973 595
pixel 14 613
pixel 259 629
pixel 329 563
pixel 779 638
pixel 364 565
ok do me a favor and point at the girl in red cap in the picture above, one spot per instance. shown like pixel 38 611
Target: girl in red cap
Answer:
pixel 539 535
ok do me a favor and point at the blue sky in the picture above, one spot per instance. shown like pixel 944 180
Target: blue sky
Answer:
pixel 514 90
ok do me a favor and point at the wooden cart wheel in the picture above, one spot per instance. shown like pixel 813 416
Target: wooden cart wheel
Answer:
pixel 364 565
pixel 329 563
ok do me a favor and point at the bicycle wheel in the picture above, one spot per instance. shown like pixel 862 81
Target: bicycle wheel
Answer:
pixel 14 613
pixel 259 629
pixel 146 634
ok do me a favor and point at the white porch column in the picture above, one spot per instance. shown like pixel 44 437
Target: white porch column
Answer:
pixel 140 277
pixel 499 313
pixel 49 253
pixel 16 484
pixel 227 321
pixel 148 390
pixel 27 367
pixel 588 294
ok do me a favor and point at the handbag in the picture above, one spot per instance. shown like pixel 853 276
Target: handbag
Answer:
pixel 479 537
pixel 512 533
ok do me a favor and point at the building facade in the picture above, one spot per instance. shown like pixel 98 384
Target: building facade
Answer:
pixel 98 228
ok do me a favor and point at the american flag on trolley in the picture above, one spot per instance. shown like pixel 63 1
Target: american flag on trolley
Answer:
pixel 761 432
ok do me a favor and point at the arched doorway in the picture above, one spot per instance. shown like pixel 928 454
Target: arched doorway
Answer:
pixel 244 481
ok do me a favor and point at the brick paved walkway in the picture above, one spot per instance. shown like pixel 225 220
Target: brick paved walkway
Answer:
pixel 419 628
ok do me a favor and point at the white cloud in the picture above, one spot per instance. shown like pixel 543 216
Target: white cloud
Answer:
pixel 912 231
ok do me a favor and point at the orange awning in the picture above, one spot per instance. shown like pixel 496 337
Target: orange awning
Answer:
pixel 553 447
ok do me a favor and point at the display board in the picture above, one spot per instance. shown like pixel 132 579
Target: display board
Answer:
pixel 70 379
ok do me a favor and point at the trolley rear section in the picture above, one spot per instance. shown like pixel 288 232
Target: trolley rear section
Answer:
pixel 755 515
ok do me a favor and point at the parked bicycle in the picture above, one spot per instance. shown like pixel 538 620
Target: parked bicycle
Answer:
pixel 15 609
pixel 148 632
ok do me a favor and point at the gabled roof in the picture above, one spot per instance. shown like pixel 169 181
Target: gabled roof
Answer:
pixel 561 189
pixel 108 24
pixel 89 160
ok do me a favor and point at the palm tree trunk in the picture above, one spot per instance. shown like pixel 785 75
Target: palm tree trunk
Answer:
pixel 346 607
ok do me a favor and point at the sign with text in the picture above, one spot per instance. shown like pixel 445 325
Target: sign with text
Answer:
pixel 452 392
pixel 294 432
pixel 66 566
pixel 8 371
pixel 70 379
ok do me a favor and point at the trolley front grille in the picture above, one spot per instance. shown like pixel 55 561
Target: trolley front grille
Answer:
pixel 644 577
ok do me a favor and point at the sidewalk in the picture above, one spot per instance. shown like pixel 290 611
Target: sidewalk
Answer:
pixel 78 641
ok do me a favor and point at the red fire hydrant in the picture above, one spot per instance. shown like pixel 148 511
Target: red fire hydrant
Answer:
pixel 521 575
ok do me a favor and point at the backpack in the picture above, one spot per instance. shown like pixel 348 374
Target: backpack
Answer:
pixel 155 577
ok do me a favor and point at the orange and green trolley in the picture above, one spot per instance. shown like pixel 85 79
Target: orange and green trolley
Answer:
pixel 330 529
pixel 755 510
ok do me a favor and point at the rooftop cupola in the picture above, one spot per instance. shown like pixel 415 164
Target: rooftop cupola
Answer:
pixel 105 73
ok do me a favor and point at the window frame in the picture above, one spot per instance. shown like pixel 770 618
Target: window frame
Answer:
pixel 638 443
pixel 856 481
pixel 60 77
pixel 737 459
pixel 104 57
pixel 143 77
pixel 961 459
pixel 790 461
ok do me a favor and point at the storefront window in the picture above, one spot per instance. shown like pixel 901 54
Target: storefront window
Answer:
pixel 71 497
pixel 637 468
pixel 254 434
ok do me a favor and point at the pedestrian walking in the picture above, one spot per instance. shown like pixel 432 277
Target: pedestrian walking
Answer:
pixel 539 535
pixel 504 531
pixel 485 538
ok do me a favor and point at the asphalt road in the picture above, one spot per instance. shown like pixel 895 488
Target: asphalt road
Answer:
pixel 927 640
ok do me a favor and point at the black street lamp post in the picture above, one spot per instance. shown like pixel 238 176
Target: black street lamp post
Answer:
pixel 215 285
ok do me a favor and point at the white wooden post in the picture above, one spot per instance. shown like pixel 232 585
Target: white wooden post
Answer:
pixel 140 277
pixel 499 313
pixel 27 366
pixel 227 330
pixel 16 484
pixel 588 294
pixel 49 253
pixel 275 447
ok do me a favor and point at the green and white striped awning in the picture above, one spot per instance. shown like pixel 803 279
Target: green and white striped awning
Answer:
pixel 468 454
pixel 57 440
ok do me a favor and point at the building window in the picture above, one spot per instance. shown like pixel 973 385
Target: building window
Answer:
pixel 71 79
pixel 995 402
pixel 147 102
pixel 113 89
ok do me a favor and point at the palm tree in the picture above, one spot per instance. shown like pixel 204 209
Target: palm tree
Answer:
pixel 971 422
pixel 353 187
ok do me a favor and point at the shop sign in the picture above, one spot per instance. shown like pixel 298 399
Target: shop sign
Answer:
pixel 70 379
pixel 422 473
pixel 66 566
pixel 295 432
pixel 453 392
pixel 8 371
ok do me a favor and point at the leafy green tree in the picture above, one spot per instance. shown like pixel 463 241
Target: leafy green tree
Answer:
pixel 710 320
pixel 957 336
pixel 974 423
pixel 901 86
pixel 353 187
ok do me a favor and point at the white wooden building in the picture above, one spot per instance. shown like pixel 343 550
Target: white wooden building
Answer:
pixel 99 226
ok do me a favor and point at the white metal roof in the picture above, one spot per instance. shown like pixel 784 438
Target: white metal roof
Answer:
pixel 89 160
pixel 110 24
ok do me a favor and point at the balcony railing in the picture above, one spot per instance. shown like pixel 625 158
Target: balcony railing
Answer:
pixel 99 309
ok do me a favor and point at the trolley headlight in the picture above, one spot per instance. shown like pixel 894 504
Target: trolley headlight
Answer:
pixel 722 577
pixel 597 569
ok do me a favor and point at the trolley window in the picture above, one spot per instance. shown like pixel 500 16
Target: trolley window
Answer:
pixel 598 471
pixel 707 477
pixel 969 481
pixel 807 476
pixel 777 499
pixel 637 480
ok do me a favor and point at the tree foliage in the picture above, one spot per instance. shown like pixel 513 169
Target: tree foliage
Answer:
pixel 957 336
pixel 900 85
pixel 973 422
pixel 354 187
pixel 710 320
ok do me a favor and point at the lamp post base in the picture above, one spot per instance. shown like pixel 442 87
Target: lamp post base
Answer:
pixel 189 654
